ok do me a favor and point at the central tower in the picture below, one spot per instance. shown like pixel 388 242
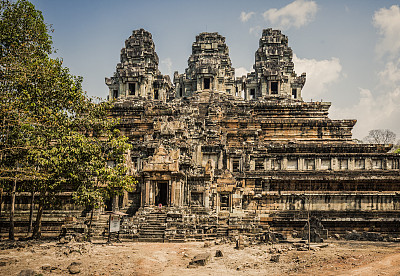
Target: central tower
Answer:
pixel 209 67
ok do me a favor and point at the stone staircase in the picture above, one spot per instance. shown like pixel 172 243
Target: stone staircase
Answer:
pixel 153 228
pixel 100 227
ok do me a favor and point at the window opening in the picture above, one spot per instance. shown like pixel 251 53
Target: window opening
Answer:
pixel 235 166
pixel 115 94
pixel 259 166
pixel 294 93
pixel 252 93
pixel 224 201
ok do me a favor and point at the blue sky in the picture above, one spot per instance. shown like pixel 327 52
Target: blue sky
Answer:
pixel 350 50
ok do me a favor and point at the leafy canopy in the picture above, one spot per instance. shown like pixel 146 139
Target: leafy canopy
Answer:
pixel 54 138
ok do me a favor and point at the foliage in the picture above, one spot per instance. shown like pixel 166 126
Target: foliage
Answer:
pixel 380 136
pixel 108 172
pixel 53 137
pixel 396 148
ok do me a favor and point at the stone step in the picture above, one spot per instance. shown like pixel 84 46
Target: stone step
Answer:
pixel 151 232
pixel 176 240
pixel 150 239
pixel 155 222
pixel 148 229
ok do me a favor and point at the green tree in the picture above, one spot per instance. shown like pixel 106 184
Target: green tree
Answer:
pixel 397 147
pixel 24 39
pixel 108 172
pixel 53 137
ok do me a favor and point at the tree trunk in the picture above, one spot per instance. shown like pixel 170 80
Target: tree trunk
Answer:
pixel 90 226
pixel 1 200
pixel 38 224
pixel 12 210
pixel 31 211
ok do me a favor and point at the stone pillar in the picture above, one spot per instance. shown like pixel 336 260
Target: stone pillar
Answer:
pixel 123 88
pixel 350 164
pixel 368 163
pixel 172 184
pixel 335 164
pixel 170 193
pixel 284 163
pixel 268 165
pixel 206 197
pixel 199 83
pixel 264 87
pixel 142 90
pixel 230 203
pixel 199 155
pixel 301 164
pixel 217 201
pixel 149 193
pixel 220 163
pixel 318 164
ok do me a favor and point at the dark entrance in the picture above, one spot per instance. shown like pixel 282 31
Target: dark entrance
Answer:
pixel 274 87
pixel 162 193
pixel 108 204
pixel 206 83
pixel 132 88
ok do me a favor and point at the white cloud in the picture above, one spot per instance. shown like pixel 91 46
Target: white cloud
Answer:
pixel 387 21
pixel 166 66
pixel 390 76
pixel 244 17
pixel 372 112
pixel 296 14
pixel 380 108
pixel 241 71
pixel 256 31
pixel 320 73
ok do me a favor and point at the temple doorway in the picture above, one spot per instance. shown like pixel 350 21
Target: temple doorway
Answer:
pixel 162 193
pixel 207 83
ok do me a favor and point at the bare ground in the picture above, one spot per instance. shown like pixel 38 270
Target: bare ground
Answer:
pixel 128 258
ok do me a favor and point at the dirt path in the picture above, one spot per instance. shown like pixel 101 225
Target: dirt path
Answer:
pixel 389 265
pixel 140 259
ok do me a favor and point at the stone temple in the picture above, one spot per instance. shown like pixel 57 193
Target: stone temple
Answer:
pixel 219 156
pixel 245 150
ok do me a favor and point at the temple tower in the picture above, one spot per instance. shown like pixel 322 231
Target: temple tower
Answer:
pixel 209 67
pixel 274 74
pixel 137 75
